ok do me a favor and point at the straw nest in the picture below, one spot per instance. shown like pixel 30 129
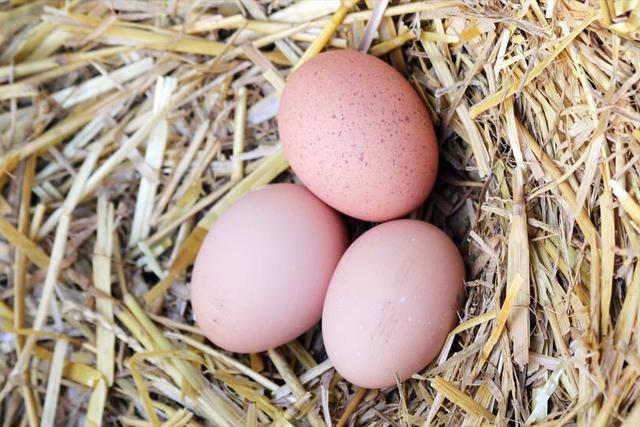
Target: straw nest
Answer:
pixel 128 127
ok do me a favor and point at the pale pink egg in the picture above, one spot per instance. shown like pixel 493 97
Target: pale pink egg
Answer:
pixel 392 302
pixel 358 135
pixel 261 274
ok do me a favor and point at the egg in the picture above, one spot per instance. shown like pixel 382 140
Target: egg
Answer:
pixel 392 301
pixel 261 274
pixel 358 136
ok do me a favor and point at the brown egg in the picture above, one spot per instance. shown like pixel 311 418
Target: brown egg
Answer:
pixel 262 272
pixel 392 302
pixel 358 135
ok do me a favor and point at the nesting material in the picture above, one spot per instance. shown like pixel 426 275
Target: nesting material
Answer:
pixel 127 128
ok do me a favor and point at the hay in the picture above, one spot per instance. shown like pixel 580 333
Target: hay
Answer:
pixel 128 127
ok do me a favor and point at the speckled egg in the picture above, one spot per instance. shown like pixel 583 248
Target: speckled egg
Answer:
pixel 261 274
pixel 392 301
pixel 358 135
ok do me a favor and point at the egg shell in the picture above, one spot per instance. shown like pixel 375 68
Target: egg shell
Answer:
pixel 391 303
pixel 260 277
pixel 358 135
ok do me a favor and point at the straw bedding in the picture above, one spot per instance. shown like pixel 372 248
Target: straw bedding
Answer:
pixel 128 127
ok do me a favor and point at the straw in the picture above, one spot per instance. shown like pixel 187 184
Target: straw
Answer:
pixel 128 128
